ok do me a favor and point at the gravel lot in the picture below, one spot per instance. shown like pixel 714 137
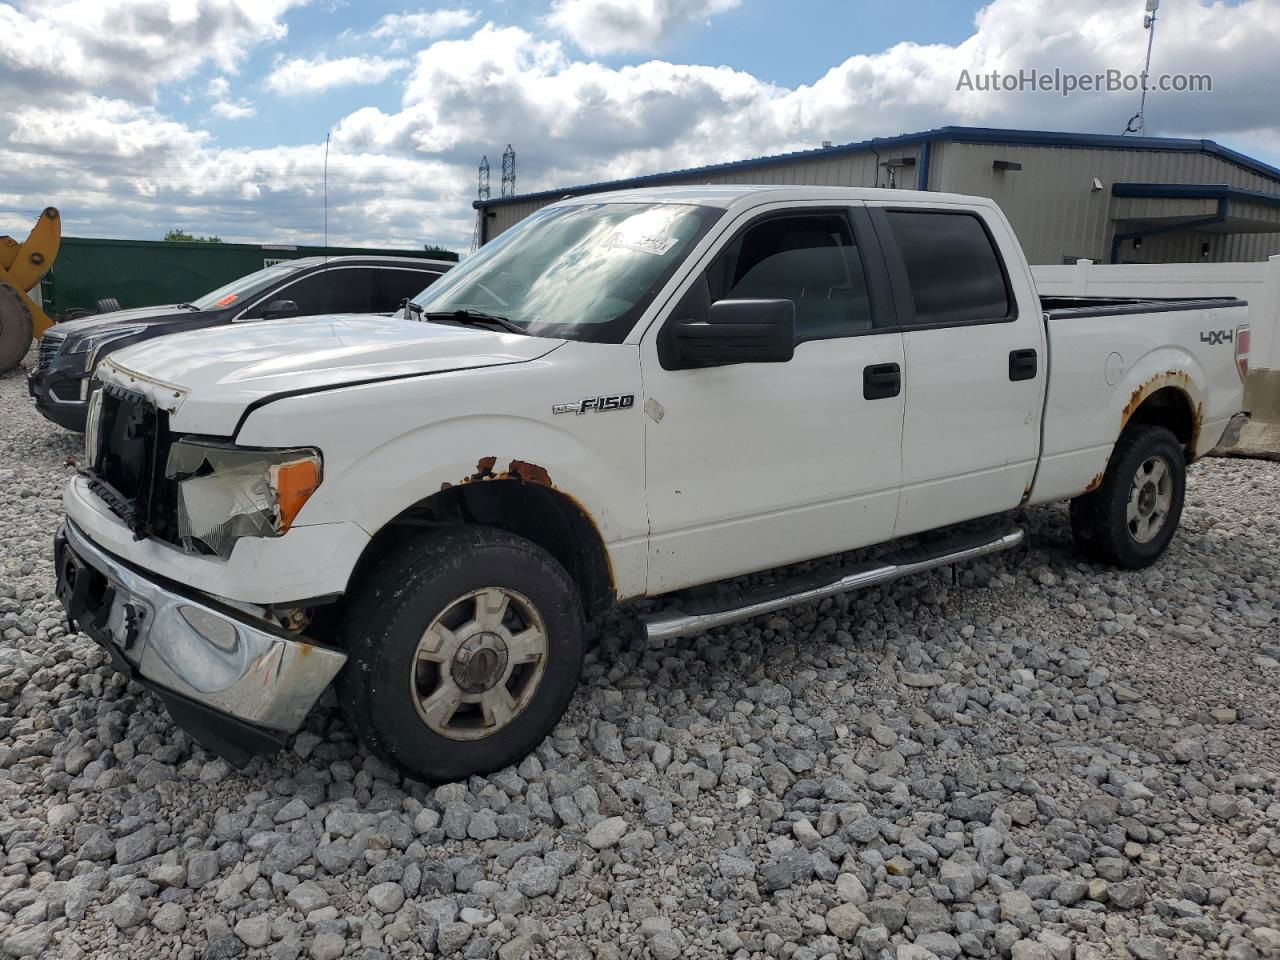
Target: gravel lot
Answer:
pixel 1039 760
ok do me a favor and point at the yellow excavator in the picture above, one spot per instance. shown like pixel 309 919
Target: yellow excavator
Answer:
pixel 22 267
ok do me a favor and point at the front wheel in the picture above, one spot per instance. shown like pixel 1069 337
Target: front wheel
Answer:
pixel 1130 519
pixel 465 648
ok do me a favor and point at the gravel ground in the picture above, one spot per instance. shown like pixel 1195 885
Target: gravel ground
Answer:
pixel 1039 760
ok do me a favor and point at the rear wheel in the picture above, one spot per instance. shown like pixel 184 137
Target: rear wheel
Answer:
pixel 1130 519
pixel 15 328
pixel 465 648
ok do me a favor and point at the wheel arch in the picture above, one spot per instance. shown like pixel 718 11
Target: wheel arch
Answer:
pixel 1166 401
pixel 522 502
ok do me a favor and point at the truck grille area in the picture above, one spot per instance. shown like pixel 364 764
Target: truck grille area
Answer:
pixel 130 448
pixel 49 344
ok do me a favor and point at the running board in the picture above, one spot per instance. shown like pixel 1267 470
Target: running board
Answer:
pixel 700 615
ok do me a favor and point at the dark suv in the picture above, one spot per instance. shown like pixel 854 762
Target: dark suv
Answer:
pixel 69 352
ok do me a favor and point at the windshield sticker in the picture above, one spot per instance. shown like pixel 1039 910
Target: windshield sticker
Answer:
pixel 229 299
pixel 651 243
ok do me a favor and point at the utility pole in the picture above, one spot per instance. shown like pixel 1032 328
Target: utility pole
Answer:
pixel 1139 120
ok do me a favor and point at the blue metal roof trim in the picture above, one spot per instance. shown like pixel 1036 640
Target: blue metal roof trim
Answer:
pixel 972 135
pixel 1193 191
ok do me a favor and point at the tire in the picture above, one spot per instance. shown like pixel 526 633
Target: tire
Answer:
pixel 16 328
pixel 1148 467
pixel 404 672
pixel 108 305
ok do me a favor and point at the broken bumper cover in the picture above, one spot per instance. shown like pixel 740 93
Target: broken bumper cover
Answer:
pixel 237 687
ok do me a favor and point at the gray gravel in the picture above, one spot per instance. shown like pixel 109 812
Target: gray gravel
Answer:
pixel 1039 760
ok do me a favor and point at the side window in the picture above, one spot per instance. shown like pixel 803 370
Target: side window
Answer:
pixel 339 290
pixel 953 268
pixel 811 260
pixel 347 290
pixel 391 287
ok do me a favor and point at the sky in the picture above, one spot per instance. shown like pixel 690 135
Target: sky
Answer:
pixel 138 116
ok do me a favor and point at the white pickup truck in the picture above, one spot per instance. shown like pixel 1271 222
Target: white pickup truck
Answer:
pixel 627 395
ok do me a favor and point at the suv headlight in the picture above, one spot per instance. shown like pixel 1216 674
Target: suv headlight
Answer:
pixel 225 492
pixel 92 343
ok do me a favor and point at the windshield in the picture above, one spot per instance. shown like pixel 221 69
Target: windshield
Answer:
pixel 245 287
pixel 585 272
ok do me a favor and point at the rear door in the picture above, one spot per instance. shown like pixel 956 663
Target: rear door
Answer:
pixel 975 364
pixel 753 465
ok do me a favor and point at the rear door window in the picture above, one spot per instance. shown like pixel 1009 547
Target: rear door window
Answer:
pixel 954 271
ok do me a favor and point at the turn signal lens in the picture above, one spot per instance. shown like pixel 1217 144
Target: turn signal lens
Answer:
pixel 293 483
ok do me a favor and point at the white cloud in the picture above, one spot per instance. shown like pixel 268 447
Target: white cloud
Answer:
pixel 240 109
pixel 125 48
pixel 301 76
pixel 619 26
pixel 397 29
pixel 574 122
pixel 120 170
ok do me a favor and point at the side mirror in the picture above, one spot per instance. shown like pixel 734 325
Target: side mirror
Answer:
pixel 280 308
pixel 738 331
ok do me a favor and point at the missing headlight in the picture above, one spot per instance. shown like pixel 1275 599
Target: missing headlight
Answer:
pixel 225 493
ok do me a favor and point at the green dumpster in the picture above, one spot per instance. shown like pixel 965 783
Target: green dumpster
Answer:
pixel 143 273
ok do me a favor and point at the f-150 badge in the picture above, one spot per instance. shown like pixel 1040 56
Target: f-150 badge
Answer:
pixel 619 401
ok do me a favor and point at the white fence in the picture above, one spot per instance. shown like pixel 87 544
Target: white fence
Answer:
pixel 1259 283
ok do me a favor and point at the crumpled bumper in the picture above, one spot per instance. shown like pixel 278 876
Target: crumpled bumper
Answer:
pixel 233 684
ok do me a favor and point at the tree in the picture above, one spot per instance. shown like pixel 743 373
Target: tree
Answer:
pixel 444 253
pixel 177 235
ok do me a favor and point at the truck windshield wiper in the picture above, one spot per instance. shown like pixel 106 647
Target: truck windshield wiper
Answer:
pixel 412 311
pixel 476 318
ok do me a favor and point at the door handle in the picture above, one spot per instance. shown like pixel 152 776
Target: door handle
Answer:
pixel 881 380
pixel 1022 365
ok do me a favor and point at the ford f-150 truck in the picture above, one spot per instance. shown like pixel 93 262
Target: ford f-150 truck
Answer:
pixel 626 395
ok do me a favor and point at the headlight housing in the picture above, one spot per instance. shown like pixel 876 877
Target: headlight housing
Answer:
pixel 92 343
pixel 224 492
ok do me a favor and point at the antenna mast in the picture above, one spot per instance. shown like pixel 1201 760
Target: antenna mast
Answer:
pixel 1138 121
pixel 326 195
pixel 509 172
pixel 482 193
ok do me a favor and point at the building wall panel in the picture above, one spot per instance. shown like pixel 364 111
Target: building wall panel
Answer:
pixel 1051 202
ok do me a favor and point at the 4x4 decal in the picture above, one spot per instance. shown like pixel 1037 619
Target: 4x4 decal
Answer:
pixel 1215 337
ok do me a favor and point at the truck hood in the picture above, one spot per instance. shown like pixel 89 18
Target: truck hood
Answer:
pixel 206 379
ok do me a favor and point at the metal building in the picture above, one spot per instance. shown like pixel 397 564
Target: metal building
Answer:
pixel 1070 196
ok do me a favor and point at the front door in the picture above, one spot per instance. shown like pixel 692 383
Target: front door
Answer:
pixel 754 465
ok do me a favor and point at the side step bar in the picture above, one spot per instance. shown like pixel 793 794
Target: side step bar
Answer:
pixel 700 615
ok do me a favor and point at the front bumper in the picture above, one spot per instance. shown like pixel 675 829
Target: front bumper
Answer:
pixel 61 395
pixel 234 685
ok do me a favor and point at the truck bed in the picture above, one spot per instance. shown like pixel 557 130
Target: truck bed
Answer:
pixel 1110 355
